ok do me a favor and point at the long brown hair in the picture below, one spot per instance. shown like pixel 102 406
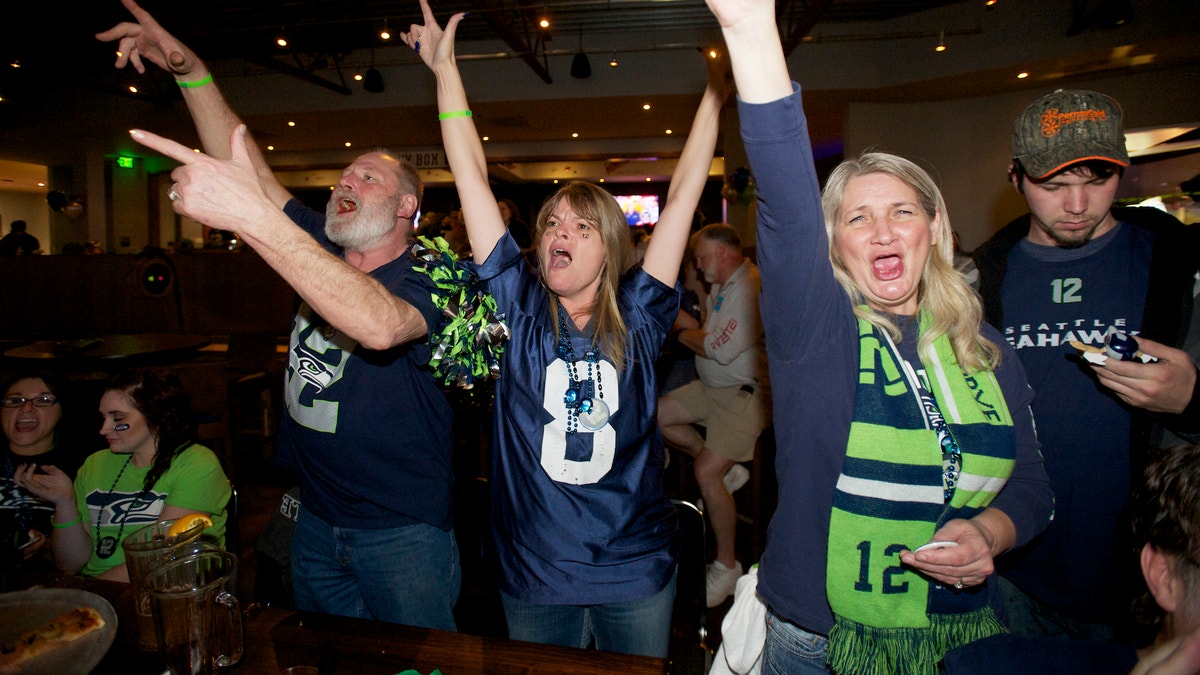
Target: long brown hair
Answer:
pixel 599 208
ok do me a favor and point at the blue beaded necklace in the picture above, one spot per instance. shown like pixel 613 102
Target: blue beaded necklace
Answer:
pixel 584 398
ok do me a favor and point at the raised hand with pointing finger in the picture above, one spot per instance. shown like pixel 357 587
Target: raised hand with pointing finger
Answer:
pixel 224 194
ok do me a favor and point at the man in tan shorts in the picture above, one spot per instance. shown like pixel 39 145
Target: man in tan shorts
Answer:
pixel 732 397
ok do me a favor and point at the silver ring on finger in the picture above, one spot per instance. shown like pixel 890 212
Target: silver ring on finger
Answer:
pixel 959 585
pixel 172 194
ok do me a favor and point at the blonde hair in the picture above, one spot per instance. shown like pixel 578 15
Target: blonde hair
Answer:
pixel 601 210
pixel 952 306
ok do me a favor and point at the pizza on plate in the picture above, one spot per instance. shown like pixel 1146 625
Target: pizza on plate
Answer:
pixel 62 630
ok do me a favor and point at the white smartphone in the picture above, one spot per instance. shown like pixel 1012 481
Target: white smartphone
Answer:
pixel 934 545
pixel 32 540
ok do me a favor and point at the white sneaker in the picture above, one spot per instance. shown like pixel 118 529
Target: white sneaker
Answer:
pixel 736 477
pixel 720 581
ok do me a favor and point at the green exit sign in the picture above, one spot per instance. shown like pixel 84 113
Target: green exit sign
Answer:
pixel 125 162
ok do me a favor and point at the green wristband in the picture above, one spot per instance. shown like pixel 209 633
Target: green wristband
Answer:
pixel 62 525
pixel 454 113
pixel 198 83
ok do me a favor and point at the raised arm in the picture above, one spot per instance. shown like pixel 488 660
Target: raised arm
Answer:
pixel 215 120
pixel 665 252
pixel 227 194
pixel 755 50
pixel 70 541
pixel 464 151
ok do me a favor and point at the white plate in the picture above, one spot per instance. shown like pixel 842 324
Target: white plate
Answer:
pixel 24 610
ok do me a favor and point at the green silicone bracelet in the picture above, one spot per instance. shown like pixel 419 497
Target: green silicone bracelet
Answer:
pixel 198 83
pixel 61 525
pixel 453 114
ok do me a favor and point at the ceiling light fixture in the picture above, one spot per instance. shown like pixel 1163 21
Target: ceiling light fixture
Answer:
pixel 581 68
pixel 282 39
pixel 645 106
pixel 132 89
pixel 544 23
pixel 941 45
pixel 385 34
pixel 613 61
pixel 373 80
pixel 1022 75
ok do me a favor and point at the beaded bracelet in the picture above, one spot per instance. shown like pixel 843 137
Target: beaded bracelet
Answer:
pixel 454 113
pixel 198 83
pixel 61 525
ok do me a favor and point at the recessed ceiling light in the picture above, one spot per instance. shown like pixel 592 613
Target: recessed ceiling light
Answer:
pixel 487 138
pixel 132 89
pixel 347 144
pixel 358 77
pixel 647 179
pixel 1021 76
pixel 575 134
pixel 544 23
pixel 669 132
pixel 270 147
pixel 645 106
pixel 281 41
pixel 291 124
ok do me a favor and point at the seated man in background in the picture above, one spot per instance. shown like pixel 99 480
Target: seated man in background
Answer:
pixel 1166 529
pixel 731 398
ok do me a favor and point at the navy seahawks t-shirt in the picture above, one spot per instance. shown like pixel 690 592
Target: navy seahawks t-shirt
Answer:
pixel 577 518
pixel 368 431
pixel 1053 295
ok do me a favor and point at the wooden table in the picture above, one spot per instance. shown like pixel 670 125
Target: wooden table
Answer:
pixel 338 645
pixel 107 349
pixel 279 638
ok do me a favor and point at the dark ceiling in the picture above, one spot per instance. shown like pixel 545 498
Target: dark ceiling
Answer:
pixel 53 42
pixel 66 85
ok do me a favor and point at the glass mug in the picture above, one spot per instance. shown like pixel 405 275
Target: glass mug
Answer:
pixel 196 616
pixel 145 550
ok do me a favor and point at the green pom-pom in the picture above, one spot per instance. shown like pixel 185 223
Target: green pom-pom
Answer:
pixel 470 339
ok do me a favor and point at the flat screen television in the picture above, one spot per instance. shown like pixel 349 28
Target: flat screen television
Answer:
pixel 639 210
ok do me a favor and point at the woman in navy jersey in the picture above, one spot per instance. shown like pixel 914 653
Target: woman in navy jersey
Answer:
pixel 581 542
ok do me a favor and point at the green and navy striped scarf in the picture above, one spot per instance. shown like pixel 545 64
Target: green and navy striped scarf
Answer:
pixel 890 498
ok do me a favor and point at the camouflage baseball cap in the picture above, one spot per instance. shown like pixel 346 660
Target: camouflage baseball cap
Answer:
pixel 1066 127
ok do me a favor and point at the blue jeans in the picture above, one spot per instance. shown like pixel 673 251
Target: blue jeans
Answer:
pixel 1026 615
pixel 640 627
pixel 791 649
pixel 408 575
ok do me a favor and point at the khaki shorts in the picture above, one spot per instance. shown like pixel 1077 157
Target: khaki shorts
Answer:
pixel 734 416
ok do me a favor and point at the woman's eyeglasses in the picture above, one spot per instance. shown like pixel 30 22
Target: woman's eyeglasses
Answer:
pixel 43 401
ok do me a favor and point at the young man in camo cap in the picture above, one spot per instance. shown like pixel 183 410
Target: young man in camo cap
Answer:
pixel 1076 269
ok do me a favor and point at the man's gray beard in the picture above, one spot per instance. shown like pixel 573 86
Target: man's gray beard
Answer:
pixel 363 228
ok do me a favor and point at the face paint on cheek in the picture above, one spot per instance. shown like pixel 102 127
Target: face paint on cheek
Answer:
pixel 121 427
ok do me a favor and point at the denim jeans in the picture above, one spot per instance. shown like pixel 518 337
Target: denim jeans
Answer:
pixel 1026 615
pixel 408 575
pixel 640 627
pixel 791 649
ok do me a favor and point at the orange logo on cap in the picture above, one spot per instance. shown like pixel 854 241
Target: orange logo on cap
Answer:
pixel 1053 120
